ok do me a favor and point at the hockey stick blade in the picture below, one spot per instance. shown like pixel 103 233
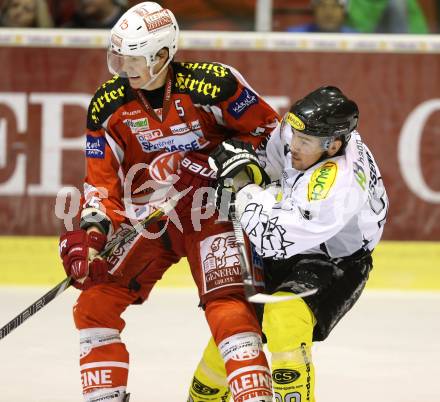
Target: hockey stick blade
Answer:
pixel 34 307
pixel 263 298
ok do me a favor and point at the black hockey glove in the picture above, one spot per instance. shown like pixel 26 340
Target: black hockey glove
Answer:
pixel 237 165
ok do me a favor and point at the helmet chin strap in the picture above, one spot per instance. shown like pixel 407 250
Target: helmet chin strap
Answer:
pixel 153 75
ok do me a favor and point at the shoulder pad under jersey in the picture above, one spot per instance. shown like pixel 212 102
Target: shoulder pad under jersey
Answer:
pixel 108 98
pixel 206 83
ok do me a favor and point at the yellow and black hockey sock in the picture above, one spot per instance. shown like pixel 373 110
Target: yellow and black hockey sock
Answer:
pixel 288 327
pixel 209 382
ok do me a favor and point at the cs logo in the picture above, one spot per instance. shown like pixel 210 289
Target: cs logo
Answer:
pixel 285 376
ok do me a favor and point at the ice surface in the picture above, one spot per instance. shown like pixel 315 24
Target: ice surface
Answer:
pixel 386 349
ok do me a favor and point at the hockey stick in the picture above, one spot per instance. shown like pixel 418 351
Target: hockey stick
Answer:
pixel 117 242
pixel 249 289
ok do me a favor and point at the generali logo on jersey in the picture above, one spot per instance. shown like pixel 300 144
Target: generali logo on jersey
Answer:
pixel 221 261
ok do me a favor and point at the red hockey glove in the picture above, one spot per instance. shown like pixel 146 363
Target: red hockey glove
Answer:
pixel 78 250
pixel 194 173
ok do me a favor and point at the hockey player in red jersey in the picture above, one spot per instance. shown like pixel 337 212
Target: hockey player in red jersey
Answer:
pixel 150 130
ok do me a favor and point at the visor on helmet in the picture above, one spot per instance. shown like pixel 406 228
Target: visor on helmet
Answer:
pixel 126 66
pixel 292 132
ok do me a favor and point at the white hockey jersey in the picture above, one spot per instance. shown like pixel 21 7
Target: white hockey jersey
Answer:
pixel 335 208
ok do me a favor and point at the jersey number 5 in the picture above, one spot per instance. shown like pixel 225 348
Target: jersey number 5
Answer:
pixel 179 108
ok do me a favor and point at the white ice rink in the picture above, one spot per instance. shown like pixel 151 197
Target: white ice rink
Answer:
pixel 387 349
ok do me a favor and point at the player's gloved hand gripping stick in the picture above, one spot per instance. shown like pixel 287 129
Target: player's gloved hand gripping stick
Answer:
pixel 117 242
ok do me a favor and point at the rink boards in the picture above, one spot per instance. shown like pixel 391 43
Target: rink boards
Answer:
pixel 397 265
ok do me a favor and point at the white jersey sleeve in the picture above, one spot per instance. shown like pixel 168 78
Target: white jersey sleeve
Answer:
pixel 273 156
pixel 326 209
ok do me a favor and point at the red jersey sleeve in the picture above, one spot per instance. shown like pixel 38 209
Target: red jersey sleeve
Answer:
pixel 231 103
pixel 103 185
pixel 248 115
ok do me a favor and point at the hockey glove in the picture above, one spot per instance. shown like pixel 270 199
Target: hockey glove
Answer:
pixel 194 175
pixel 237 165
pixel 78 250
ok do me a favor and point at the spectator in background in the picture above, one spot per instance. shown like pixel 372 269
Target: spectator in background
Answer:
pixel 25 14
pixel 328 16
pixel 96 14
pixel 387 16
pixel 216 15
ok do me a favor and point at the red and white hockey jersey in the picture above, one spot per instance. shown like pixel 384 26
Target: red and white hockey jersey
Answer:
pixel 130 144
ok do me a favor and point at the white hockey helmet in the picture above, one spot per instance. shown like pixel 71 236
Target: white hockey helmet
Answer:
pixel 142 31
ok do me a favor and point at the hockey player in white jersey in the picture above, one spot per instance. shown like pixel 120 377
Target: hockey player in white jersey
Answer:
pixel 315 226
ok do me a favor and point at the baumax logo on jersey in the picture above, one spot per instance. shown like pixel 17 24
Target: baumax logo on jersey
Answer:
pixel 322 181
pixel 137 125
pixel 186 82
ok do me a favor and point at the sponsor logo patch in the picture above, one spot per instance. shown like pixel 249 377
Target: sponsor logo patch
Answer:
pixel 95 147
pixel 137 125
pixel 246 99
pixel 157 20
pixel 358 166
pixel 95 378
pixel 182 128
pixel 116 40
pixel 250 384
pixel 240 347
pixel 203 389
pixel 131 113
pixel 152 141
pixel 198 169
pixel 221 261
pixel 166 164
pixel 186 82
pixel 285 376
pixel 208 68
pixel 100 102
pixel 322 181
pixel 295 121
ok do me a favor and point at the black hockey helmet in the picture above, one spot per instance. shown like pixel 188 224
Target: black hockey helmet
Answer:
pixel 325 112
